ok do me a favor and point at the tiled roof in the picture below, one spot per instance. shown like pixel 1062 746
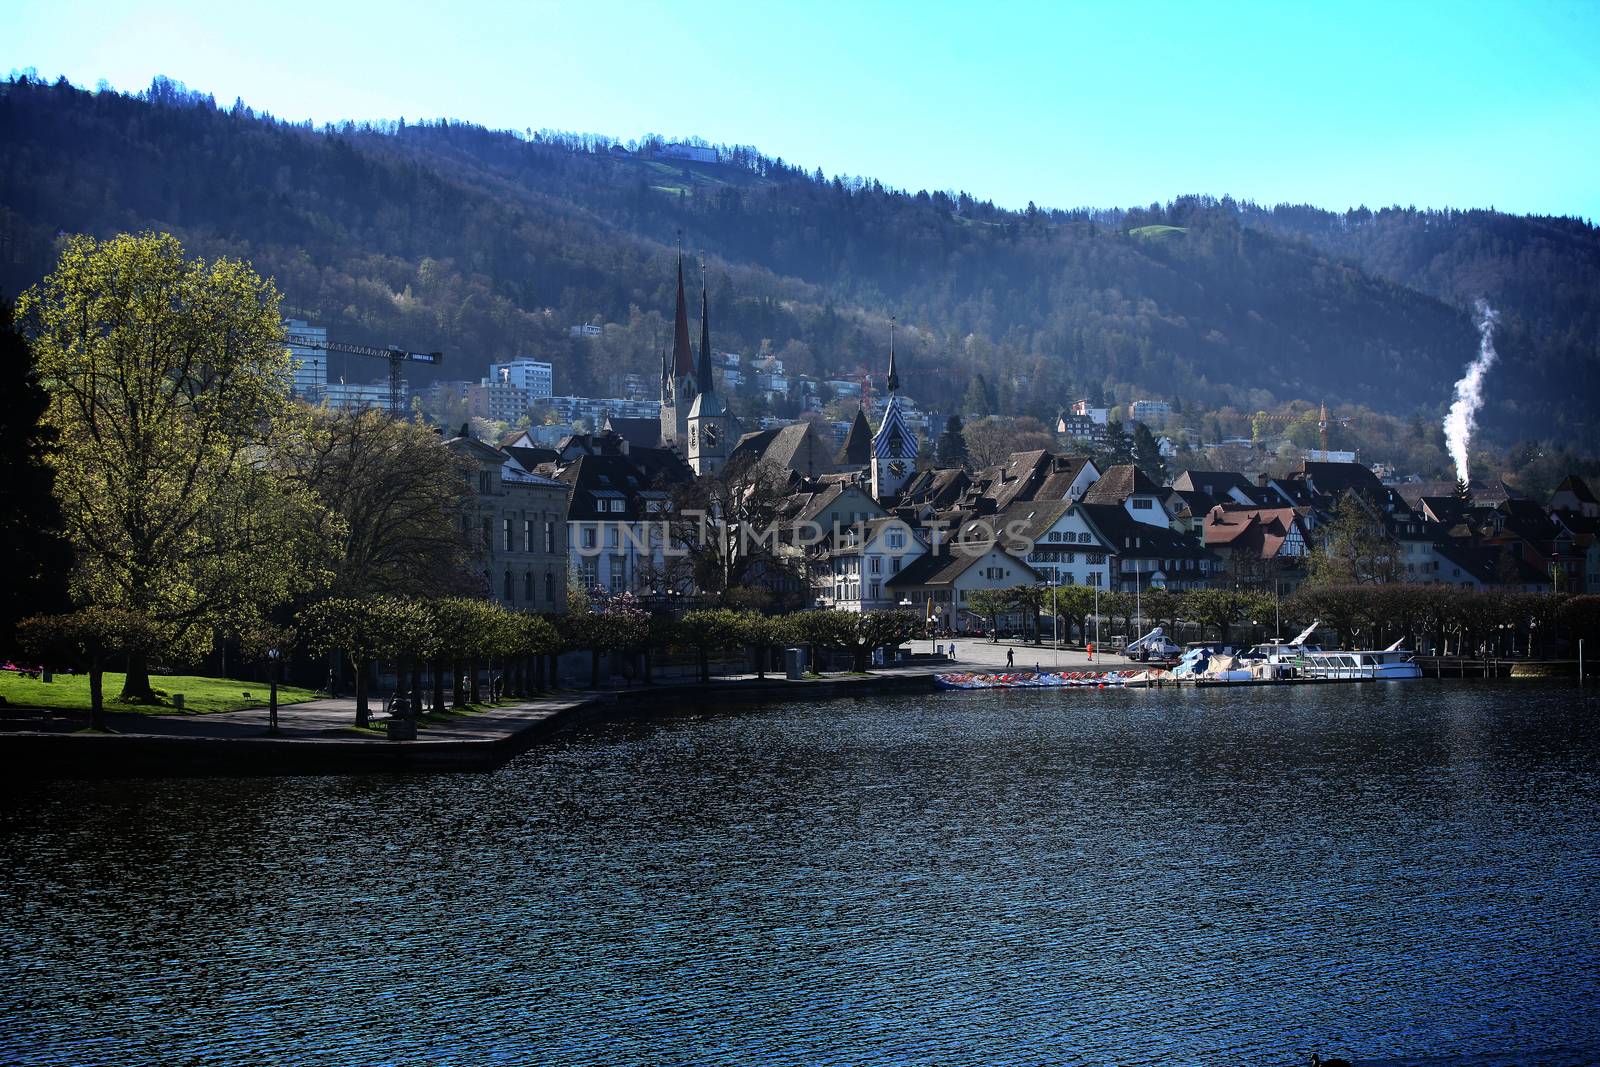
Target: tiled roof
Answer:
pixel 1240 528
pixel 1119 483
pixel 1128 537
pixel 857 448
pixel 948 564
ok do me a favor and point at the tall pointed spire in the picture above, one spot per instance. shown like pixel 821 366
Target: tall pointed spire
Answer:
pixel 704 372
pixel 893 382
pixel 682 355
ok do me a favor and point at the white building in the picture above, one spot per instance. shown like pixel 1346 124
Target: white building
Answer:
pixel 593 411
pixel 531 376
pixel 1053 538
pixel 1148 411
pixel 363 395
pixel 1098 416
pixel 497 400
pixel 865 558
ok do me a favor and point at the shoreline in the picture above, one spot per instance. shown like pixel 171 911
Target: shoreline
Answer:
pixel 476 743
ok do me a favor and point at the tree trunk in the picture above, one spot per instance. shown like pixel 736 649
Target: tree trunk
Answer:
pixel 363 713
pixel 438 684
pixel 97 696
pixel 759 652
pixel 458 688
pixel 416 687
pixel 538 672
pixel 472 681
pixel 136 684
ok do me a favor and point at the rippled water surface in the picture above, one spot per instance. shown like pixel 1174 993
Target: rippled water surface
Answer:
pixel 1398 874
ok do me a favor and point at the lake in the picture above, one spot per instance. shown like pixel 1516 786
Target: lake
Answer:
pixel 1401 873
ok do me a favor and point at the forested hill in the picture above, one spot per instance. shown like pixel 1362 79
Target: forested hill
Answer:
pixel 489 244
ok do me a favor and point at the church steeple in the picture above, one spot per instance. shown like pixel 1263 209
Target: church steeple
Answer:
pixel 679 384
pixel 703 374
pixel 711 425
pixel 682 354
pixel 893 383
pixel 894 447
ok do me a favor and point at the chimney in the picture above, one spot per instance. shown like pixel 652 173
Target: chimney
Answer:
pixel 1261 480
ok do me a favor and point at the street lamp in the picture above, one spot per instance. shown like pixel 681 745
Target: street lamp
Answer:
pixel 272 690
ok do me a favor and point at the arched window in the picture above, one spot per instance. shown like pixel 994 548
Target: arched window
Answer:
pixel 527 587
pixel 550 586
pixel 510 588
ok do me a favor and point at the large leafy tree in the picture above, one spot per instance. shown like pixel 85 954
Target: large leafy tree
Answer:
pixel 168 386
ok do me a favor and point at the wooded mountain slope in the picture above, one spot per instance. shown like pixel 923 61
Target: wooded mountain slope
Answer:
pixel 488 244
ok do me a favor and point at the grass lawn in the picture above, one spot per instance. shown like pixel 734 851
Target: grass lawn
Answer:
pixel 200 695
pixel 1157 233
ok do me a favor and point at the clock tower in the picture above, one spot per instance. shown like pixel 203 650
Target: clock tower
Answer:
pixel 710 424
pixel 894 446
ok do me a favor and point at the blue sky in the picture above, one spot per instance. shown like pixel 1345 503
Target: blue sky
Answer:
pixel 1462 104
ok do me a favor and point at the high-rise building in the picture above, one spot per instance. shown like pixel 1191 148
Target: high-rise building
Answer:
pixel 531 376
pixel 308 366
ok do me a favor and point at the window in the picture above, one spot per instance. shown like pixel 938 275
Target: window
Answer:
pixel 894 565
pixel 488 534
pixel 877 591
pixel 527 587
pixel 483 481
pixel 506 544
pixel 619 573
pixel 1083 539
pixel 510 589
pixel 550 586
pixel 897 538
pixel 550 537
pixel 1140 505
pixel 589 573
pixel 876 566
pixel 527 536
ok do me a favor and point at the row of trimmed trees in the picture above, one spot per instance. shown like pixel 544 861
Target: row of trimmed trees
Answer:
pixel 1078 605
pixel 1446 619
pixel 617 624
pixel 459 638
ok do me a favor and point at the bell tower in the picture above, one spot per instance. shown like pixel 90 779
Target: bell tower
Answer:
pixel 679 386
pixel 710 424
pixel 894 446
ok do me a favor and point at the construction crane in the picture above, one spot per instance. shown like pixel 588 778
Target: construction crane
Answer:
pixel 394 354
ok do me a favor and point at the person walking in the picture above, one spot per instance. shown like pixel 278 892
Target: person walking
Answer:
pixel 1011 658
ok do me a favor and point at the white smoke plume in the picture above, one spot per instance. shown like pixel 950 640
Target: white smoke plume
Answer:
pixel 1463 416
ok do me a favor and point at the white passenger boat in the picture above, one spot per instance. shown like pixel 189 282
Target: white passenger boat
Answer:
pixel 1389 664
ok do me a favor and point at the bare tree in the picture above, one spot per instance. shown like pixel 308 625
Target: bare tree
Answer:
pixel 400 494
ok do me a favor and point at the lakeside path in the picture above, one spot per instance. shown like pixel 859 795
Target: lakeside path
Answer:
pixel 317 737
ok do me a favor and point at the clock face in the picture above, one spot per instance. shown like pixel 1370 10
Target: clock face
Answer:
pixel 711 436
pixel 694 435
pixel 897 468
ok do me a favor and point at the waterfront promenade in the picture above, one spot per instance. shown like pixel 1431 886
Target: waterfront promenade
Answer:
pixel 318 736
